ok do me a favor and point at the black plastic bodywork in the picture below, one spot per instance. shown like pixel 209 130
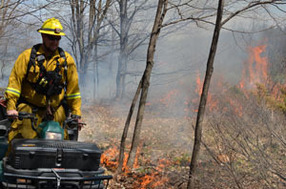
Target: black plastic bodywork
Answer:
pixel 53 164
pixel 40 153
pixel 54 178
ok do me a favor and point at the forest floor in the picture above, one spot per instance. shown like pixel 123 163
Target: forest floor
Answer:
pixel 164 153
pixel 163 156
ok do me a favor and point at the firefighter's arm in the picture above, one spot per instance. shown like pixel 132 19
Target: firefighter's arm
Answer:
pixel 13 90
pixel 73 93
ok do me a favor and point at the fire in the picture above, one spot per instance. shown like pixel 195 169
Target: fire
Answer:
pixel 236 107
pixel 136 162
pixel 255 75
pixel 212 103
pixel 168 99
pixel 255 69
pixel 254 72
pixel 198 91
pixel 199 88
pixel 108 158
pixel 153 178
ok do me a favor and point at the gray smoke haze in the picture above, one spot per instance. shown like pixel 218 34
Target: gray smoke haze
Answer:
pixel 180 59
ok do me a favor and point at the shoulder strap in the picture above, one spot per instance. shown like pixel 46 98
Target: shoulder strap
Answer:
pixel 33 55
pixel 61 52
pixel 63 55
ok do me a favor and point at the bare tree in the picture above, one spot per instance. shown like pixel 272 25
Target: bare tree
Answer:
pixel 201 17
pixel 126 127
pixel 86 43
pixel 209 71
pixel 160 14
pixel 165 7
pixel 143 86
pixel 5 22
pixel 248 144
pixel 13 20
pixel 11 11
pixel 204 95
pixel 128 40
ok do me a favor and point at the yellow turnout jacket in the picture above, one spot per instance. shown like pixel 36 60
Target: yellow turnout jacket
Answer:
pixel 20 84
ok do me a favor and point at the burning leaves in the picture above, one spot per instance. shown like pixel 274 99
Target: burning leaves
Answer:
pixel 109 158
pixel 154 166
pixel 142 177
pixel 154 178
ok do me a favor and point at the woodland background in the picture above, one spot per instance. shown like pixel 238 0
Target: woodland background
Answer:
pixel 243 143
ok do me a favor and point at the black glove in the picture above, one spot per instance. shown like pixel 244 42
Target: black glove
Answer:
pixel 77 119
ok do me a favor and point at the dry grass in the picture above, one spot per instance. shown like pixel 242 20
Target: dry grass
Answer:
pixel 230 159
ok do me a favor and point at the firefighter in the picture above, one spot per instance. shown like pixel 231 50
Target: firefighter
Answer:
pixel 43 77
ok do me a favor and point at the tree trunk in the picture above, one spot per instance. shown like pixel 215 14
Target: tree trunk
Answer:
pixel 122 61
pixel 86 43
pixel 111 62
pixel 203 100
pixel 161 12
pixel 120 77
pixel 95 72
pixel 128 9
pixel 126 127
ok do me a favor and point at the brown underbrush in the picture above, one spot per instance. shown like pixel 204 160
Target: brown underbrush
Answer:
pixel 238 151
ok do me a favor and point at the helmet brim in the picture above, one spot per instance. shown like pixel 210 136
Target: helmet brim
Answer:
pixel 51 32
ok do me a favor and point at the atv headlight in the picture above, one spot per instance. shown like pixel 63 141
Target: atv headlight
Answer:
pixel 53 136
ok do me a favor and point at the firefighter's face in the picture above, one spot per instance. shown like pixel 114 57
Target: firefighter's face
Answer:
pixel 51 42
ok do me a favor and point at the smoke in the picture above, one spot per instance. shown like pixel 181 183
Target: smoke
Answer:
pixel 181 58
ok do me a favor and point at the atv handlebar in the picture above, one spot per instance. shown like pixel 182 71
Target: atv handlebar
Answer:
pixel 72 123
pixel 26 115
pixel 69 123
pixel 23 115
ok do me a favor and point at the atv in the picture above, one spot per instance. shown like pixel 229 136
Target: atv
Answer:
pixel 50 162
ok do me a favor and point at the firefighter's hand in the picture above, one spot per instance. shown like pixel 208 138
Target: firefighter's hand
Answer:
pixel 77 118
pixel 80 124
pixel 12 114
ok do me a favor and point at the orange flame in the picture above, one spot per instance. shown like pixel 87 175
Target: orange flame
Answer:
pixel 168 99
pixel 212 103
pixel 154 179
pixel 237 108
pixel 199 88
pixel 108 158
pixel 255 69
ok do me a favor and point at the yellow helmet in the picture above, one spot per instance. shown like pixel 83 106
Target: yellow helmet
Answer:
pixel 52 26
